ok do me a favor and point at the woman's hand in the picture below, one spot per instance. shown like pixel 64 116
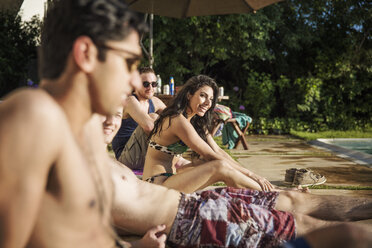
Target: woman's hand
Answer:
pixel 153 238
pixel 181 162
pixel 263 182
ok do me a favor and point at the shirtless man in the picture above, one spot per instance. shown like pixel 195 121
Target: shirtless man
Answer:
pixel 55 185
pixel 130 143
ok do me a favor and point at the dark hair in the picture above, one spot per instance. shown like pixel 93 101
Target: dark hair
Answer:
pixel 180 103
pixel 144 70
pixel 66 20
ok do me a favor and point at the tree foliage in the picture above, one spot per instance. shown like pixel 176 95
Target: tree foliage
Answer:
pixel 296 64
pixel 18 47
pixel 310 62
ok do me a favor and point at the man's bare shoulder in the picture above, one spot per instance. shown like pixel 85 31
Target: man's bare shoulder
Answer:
pixel 34 128
pixel 33 112
pixel 30 104
pixel 156 99
pixel 159 104
pixel 132 101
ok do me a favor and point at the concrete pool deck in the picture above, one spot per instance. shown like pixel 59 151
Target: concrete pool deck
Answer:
pixel 270 156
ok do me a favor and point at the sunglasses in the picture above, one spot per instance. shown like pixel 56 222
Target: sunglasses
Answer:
pixel 147 84
pixel 132 62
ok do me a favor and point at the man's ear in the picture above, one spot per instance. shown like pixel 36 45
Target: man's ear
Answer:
pixel 85 53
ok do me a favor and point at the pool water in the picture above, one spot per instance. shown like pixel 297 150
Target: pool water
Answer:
pixel 357 150
pixel 361 145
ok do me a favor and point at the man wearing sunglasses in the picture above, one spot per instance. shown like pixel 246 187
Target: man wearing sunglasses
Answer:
pixel 130 143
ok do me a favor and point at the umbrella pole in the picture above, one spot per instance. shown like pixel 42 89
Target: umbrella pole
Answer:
pixel 151 57
pixel 149 52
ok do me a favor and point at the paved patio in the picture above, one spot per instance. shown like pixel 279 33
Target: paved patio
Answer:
pixel 270 156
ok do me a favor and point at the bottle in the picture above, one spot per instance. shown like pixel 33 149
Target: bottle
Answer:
pixel 171 86
pixel 158 80
pixel 220 91
pixel 166 89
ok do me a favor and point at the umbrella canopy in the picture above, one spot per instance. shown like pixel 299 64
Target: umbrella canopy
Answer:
pixel 187 8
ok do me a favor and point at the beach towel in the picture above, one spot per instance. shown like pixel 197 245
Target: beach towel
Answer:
pixel 229 135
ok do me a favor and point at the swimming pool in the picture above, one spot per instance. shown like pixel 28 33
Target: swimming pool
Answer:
pixel 358 150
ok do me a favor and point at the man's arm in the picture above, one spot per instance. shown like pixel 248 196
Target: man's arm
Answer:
pixel 139 115
pixel 30 138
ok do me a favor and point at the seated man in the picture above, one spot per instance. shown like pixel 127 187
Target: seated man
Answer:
pixel 130 143
pixel 229 217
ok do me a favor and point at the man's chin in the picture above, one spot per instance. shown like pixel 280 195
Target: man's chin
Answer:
pixel 108 138
pixel 149 95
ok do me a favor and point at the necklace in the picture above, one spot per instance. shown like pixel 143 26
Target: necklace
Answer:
pixel 102 196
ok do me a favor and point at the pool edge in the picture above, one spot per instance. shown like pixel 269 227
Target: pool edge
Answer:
pixel 355 156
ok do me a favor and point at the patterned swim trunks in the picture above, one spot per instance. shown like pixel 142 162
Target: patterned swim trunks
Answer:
pixel 228 217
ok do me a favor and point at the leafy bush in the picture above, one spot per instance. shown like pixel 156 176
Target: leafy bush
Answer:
pixel 18 48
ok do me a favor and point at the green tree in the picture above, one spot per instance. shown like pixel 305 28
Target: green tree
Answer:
pixel 18 47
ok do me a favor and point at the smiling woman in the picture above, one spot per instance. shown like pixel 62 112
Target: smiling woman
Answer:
pixel 182 125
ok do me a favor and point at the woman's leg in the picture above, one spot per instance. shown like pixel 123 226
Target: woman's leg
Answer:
pixel 201 176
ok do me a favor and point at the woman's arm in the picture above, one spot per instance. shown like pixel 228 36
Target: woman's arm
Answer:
pixel 183 129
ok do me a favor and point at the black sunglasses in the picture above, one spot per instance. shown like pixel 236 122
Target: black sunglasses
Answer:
pixel 147 84
pixel 132 62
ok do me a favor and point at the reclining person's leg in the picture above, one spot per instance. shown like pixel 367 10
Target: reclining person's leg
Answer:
pixel 306 223
pixel 346 235
pixel 326 207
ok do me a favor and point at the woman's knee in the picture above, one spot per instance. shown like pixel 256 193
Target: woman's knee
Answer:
pixel 220 167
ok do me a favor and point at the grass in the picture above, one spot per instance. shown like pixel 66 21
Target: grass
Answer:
pixel 347 187
pixel 219 184
pixel 332 134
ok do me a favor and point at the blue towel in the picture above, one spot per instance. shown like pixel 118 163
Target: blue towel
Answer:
pixel 229 135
